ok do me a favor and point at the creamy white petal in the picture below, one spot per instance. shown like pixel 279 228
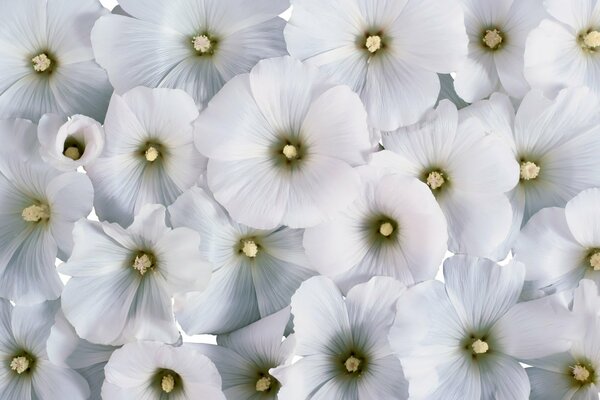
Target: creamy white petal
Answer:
pixel 503 378
pixel 583 219
pixel 52 382
pixel 547 384
pixel 304 378
pixel 477 76
pixel 578 15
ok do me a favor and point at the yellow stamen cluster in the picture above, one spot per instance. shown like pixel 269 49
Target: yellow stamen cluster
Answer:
pixel 290 151
pixel 36 213
pixel 167 383
pixel 72 153
pixel 151 154
pixel 529 170
pixel 41 62
pixel 263 384
pixel 142 263
pixel 352 364
pixel 492 38
pixel 19 364
pixel 373 43
pixel 435 180
pixel 386 229
pixel 202 43
pixel 480 347
pixel 580 373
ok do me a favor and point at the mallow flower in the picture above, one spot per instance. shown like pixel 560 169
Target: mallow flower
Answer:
pixel 122 280
pixel 149 156
pixel 245 357
pixel 46 60
pixel 67 144
pixel 497 32
pixel 343 343
pixel 556 143
pixel 394 228
pixel 575 374
pixel 255 272
pixel 282 143
pixel 152 370
pixel 26 373
pixel 387 51
pixel 38 207
pixel 468 171
pixel 191 45
pixel 464 339
pixel 561 246
pixel 563 51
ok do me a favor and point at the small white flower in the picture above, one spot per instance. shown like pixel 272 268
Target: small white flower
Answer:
pixel 282 142
pixel 151 370
pixel 123 280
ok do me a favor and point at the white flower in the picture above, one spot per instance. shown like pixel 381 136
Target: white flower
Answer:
pixel 563 50
pixel 572 375
pixel 497 32
pixel 151 370
pixel 25 371
pixel 149 156
pixel 256 272
pixel 562 246
pixel 245 357
pixel 464 339
pixel 556 142
pixel 192 45
pixel 38 207
pixel 282 143
pixel 343 343
pixel 387 51
pixel 395 228
pixel 123 279
pixel 70 144
pixel 46 60
pixel 466 169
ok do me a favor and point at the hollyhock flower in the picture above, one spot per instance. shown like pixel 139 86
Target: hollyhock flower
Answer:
pixel 67 350
pixel 556 143
pixel 38 207
pixel 561 246
pixel 497 32
pixel 467 170
pixel 282 143
pixel 245 357
pixel 150 370
pixel 190 45
pixel 563 50
pixel 464 339
pixel 149 157
pixel 25 371
pixel 123 279
pixel 572 375
pixel 256 272
pixel 46 60
pixel 70 144
pixel 388 52
pixel 343 343
pixel 395 228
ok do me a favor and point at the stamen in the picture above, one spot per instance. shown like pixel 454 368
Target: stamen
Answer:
pixel 19 364
pixel 290 151
pixel 263 384
pixel 250 248
pixel 480 347
pixel 36 213
pixel 492 38
pixel 595 261
pixel 151 154
pixel 591 39
pixel 580 373
pixel 202 43
pixel 41 62
pixel 435 180
pixel 529 170
pixel 386 229
pixel 167 384
pixel 142 263
pixel 352 364
pixel 72 153
pixel 373 43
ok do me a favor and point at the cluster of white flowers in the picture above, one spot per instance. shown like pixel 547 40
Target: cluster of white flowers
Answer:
pixel 292 187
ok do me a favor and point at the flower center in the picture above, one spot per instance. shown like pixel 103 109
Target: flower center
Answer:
pixel 352 364
pixel 529 170
pixel 591 40
pixel 36 213
pixel 250 248
pixel 435 180
pixel 580 373
pixel 19 364
pixel 290 151
pixel 373 43
pixel 595 261
pixel 386 229
pixel 72 153
pixel 143 263
pixel 492 38
pixel 202 44
pixel 167 383
pixel 263 384
pixel 151 154
pixel 480 347
pixel 41 62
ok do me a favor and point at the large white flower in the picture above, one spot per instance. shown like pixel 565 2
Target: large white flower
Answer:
pixel 464 339
pixel 387 51
pixel 46 59
pixel 25 370
pixel 245 357
pixel 123 280
pixel 564 50
pixel 282 142
pixel 151 370
pixel 38 207
pixel 468 171
pixel 556 142
pixel 149 156
pixel 256 272
pixel 194 45
pixel 395 228
pixel 497 32
pixel 343 343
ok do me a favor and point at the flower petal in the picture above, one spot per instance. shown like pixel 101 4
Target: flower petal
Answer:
pixel 583 219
